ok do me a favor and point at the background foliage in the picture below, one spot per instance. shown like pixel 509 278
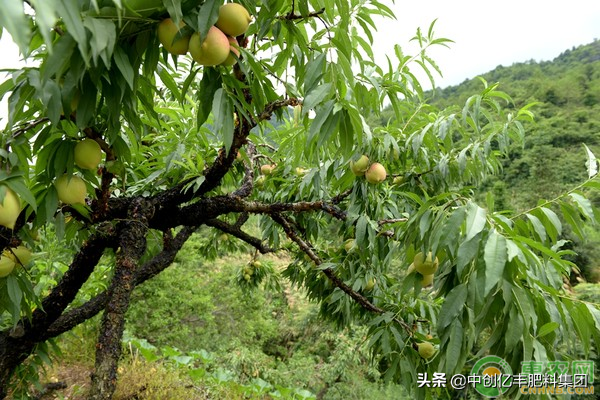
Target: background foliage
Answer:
pixel 306 94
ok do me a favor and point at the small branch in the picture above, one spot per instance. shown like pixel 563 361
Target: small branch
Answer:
pixel 272 107
pixel 293 16
pixel 49 387
pixel 245 189
pixel 306 248
pixel 268 146
pixel 340 197
pixel 241 220
pixel 391 221
pixel 238 233
pixel 29 126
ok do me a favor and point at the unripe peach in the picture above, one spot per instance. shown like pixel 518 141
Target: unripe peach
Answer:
pixel 233 49
pixel 7 265
pixel 10 208
pixel 427 280
pixel 376 173
pixel 267 169
pixel 425 265
pixel 88 154
pixel 21 255
pixel 71 189
pixel 426 350
pixel 233 19
pixel 212 50
pixel 361 166
pixel 167 32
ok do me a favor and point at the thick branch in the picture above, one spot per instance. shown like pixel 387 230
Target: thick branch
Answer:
pixel 17 344
pixel 153 267
pixel 65 291
pixel 132 244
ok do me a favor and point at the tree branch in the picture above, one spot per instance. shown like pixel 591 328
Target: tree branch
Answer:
pixel 132 244
pixel 293 16
pixel 272 107
pixel 65 291
pixel 329 273
pixel 150 269
pixel 234 230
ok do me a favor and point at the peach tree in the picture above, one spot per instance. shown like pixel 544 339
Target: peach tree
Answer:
pixel 378 216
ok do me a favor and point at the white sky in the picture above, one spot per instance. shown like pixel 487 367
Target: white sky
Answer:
pixel 486 34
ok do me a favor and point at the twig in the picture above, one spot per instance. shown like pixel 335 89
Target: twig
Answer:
pixel 330 273
pixel 293 16
pixel 29 126
pixel 273 106
pixel 391 221
pixel 234 230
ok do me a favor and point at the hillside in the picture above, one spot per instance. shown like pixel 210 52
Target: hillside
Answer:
pixel 552 159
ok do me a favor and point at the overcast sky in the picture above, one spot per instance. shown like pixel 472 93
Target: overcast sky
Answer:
pixel 486 34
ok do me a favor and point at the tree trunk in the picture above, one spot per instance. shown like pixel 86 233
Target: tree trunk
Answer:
pixel 132 244
pixel 11 355
pixel 15 348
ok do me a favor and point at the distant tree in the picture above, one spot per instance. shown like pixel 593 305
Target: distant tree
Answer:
pixel 184 146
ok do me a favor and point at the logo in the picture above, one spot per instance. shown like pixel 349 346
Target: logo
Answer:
pixel 491 369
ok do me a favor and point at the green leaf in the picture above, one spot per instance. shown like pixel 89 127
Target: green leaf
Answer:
pixel 361 230
pixel 15 21
pixel 584 204
pixel 45 18
pixel 513 251
pixel 207 16
pixel 174 9
pixel 547 329
pixel 15 295
pixel 124 65
pixel 573 219
pixel 322 116
pixel 553 218
pixel 495 255
pixel 211 81
pixel 475 220
pixel 467 251
pixel 87 105
pixel 223 117
pixel 68 10
pixel 537 226
pixel 591 162
pixel 104 37
pixel 455 347
pixel 20 188
pixel 60 58
pixel 317 95
pixel 314 72
pixel 451 229
pixel 514 328
pixel 346 132
pixel 167 79
pixel 453 305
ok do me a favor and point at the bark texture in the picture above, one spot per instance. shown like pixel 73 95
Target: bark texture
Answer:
pixel 132 244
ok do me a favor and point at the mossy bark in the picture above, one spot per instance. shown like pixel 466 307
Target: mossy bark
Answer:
pixel 132 244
